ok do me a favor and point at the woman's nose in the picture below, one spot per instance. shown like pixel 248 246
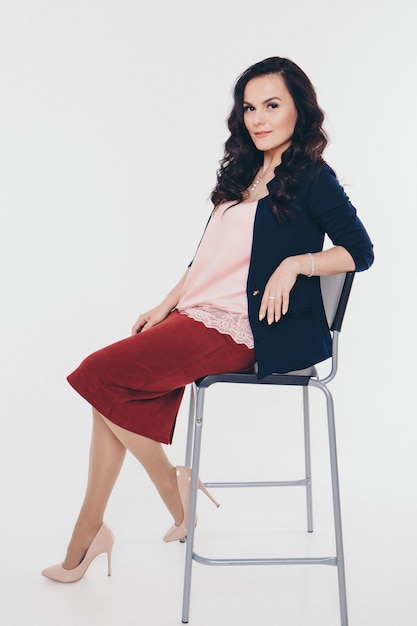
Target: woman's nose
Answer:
pixel 259 117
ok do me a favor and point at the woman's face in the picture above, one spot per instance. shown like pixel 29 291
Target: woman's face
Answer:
pixel 269 114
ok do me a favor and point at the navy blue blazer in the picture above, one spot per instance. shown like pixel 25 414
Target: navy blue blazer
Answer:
pixel 301 338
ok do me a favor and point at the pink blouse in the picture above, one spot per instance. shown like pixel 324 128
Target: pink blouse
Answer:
pixel 214 291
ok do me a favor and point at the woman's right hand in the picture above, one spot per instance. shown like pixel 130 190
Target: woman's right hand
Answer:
pixel 150 318
pixel 159 313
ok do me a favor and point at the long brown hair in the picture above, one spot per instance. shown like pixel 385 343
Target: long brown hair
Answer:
pixel 242 160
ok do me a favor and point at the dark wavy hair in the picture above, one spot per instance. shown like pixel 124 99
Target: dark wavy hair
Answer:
pixel 242 159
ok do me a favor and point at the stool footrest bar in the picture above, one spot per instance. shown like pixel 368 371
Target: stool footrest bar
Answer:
pixel 325 560
pixel 274 483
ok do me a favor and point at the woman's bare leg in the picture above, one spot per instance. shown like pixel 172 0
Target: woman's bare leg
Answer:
pixel 108 449
pixel 107 454
pixel 152 456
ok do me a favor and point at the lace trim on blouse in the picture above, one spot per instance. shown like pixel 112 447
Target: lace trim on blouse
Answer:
pixel 234 324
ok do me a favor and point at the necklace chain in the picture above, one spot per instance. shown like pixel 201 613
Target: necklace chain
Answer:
pixel 255 183
pixel 258 180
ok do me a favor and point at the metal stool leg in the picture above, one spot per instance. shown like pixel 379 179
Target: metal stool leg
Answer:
pixel 307 451
pixel 190 428
pixel 199 407
pixel 340 561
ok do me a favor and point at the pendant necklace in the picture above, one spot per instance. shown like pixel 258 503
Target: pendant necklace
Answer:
pixel 258 180
pixel 255 184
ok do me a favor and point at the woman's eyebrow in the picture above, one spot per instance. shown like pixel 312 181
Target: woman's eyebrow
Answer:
pixel 265 101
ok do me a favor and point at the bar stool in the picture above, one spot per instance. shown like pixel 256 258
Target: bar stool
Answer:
pixel 335 293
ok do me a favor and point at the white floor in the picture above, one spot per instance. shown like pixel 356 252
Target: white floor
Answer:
pixel 146 584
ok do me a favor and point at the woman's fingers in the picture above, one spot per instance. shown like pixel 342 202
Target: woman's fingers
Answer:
pixel 136 328
pixel 140 324
pixel 273 307
pixel 275 301
pixel 150 318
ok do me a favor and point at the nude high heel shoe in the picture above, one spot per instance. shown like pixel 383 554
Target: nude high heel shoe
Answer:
pixel 176 533
pixel 102 542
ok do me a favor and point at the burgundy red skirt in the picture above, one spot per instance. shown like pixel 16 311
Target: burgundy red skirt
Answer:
pixel 138 383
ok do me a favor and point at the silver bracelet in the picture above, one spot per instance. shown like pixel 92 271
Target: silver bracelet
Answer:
pixel 313 265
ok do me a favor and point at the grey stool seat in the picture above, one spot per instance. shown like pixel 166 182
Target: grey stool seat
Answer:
pixel 335 294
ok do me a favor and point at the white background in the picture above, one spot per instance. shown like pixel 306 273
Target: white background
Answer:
pixel 112 120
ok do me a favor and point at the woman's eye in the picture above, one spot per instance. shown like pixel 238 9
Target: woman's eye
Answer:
pixel 248 107
pixel 273 105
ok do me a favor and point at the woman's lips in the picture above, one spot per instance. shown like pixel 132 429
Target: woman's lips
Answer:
pixel 262 133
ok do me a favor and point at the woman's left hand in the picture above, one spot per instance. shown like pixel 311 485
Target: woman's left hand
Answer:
pixel 276 298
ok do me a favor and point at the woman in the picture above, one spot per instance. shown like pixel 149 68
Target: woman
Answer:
pixel 252 293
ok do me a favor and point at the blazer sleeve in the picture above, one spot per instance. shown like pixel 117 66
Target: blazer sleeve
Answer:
pixel 331 209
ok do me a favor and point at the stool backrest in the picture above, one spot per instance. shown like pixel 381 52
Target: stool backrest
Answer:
pixel 335 291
